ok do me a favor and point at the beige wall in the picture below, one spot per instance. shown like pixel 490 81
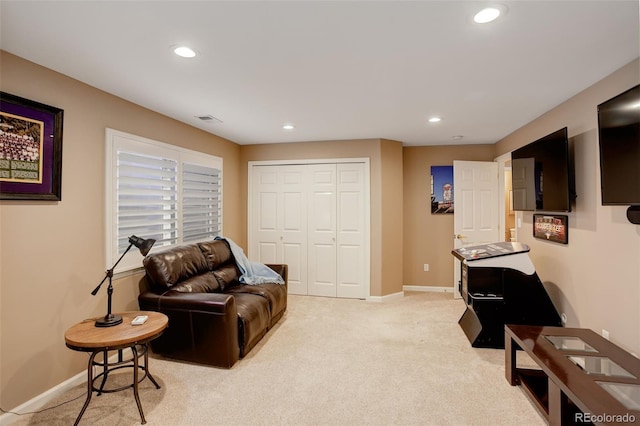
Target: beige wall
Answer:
pixel 381 218
pixel 52 253
pixel 392 207
pixel 595 279
pixel 428 238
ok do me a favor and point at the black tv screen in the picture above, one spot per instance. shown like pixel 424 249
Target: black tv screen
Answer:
pixel 619 140
pixel 542 174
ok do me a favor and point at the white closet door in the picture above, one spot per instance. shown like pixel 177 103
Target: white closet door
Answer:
pixel 314 218
pixel 351 231
pixel 265 246
pixel 322 230
pixel 280 216
pixel 292 218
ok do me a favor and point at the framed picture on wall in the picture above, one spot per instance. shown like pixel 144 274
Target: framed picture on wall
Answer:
pixel 551 228
pixel 441 189
pixel 30 149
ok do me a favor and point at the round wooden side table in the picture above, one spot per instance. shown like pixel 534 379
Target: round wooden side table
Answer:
pixel 86 337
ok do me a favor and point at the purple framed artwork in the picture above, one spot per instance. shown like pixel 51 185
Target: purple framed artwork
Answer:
pixel 30 149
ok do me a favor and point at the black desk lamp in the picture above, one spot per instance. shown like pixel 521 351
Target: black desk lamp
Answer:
pixel 110 320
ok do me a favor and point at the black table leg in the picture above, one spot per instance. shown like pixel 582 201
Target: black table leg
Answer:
pixel 135 382
pixel 146 367
pixel 89 387
pixel 105 371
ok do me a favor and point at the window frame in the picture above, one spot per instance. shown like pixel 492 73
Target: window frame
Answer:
pixel 116 141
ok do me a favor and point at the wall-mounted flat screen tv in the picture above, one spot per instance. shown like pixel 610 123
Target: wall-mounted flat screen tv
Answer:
pixel 619 140
pixel 542 175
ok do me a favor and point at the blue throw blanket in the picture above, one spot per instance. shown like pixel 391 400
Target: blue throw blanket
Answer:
pixel 253 273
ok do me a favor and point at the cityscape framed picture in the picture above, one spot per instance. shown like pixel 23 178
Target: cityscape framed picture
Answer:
pixel 441 189
pixel 30 149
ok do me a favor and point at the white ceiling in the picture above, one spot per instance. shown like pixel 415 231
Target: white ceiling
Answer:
pixel 337 70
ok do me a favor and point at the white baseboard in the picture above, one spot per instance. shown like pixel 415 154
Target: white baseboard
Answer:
pixel 427 288
pixel 386 298
pixel 40 401
pixel 400 294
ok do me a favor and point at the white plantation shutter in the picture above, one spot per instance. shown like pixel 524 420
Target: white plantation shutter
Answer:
pixel 147 199
pixel 201 214
pixel 158 191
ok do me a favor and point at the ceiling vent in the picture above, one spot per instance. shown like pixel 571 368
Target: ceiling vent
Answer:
pixel 209 119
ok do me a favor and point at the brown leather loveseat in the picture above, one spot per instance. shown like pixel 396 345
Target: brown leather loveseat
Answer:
pixel 214 319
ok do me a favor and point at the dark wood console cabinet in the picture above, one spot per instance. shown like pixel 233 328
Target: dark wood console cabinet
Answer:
pixel 583 378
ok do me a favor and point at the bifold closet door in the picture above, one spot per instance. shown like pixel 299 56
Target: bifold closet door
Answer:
pixel 312 217
pixel 321 230
pixel 279 218
pixel 351 231
pixel 336 230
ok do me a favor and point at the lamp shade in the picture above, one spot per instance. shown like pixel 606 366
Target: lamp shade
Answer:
pixel 143 245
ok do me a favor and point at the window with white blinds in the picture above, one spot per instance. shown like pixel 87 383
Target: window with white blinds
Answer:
pixel 201 214
pixel 159 191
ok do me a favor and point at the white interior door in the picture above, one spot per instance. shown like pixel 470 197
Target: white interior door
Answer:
pixel 293 220
pixel 352 277
pixel 314 217
pixel 336 238
pixel 322 230
pixel 280 220
pixel 476 209
pixel 266 245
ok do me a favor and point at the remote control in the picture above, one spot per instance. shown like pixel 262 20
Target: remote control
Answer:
pixel 139 320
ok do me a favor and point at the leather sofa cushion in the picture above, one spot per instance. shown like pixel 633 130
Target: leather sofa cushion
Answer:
pixel 221 262
pixel 275 294
pixel 227 276
pixel 205 283
pixel 217 253
pixel 170 267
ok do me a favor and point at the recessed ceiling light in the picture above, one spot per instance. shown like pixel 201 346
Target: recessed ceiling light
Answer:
pixel 457 137
pixel 288 126
pixel 184 51
pixel 435 119
pixel 490 13
pixel 486 15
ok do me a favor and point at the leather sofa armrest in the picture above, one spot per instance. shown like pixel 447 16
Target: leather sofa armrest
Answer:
pixel 218 303
pixel 203 327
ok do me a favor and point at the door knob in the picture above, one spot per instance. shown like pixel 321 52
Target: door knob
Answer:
pixel 459 236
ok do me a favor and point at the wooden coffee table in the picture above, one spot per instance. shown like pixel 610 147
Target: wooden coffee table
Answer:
pixel 86 337
pixel 583 378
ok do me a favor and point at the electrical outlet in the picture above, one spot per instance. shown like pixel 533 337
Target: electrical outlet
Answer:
pixel 605 334
pixel 425 267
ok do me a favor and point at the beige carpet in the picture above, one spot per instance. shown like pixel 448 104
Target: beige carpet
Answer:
pixel 329 362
